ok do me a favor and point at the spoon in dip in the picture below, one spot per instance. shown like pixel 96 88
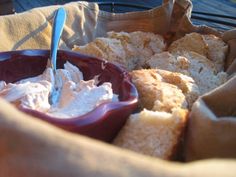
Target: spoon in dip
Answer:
pixel 58 24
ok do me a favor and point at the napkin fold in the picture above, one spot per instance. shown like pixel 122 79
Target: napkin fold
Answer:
pixel 32 29
pixel 30 147
pixel 212 125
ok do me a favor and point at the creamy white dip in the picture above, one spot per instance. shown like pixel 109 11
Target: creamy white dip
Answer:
pixel 77 97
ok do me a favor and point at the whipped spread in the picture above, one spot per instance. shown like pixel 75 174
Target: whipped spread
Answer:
pixel 77 97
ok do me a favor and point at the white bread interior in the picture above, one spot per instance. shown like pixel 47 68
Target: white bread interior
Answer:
pixel 153 133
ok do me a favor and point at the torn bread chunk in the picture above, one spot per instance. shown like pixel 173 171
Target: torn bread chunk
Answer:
pixel 153 133
pixel 149 42
pixel 217 50
pixel 132 53
pixel 210 46
pixel 202 70
pixel 90 49
pixel 185 83
pixel 108 49
pixel 169 62
pixel 130 50
pixel 190 42
pixel 158 92
pixel 145 44
pixel 111 50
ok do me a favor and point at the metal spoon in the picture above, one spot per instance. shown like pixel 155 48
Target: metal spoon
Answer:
pixel 58 24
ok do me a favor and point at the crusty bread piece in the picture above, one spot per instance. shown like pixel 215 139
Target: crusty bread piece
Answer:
pixel 90 49
pixel 210 46
pixel 185 83
pixel 142 40
pixel 128 49
pixel 217 50
pixel 153 133
pixel 145 44
pixel 190 42
pixel 132 53
pixel 155 93
pixel 169 62
pixel 202 70
pixel 108 49
pixel 147 40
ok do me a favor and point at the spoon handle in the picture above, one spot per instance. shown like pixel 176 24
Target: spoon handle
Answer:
pixel 58 24
pixel 57 28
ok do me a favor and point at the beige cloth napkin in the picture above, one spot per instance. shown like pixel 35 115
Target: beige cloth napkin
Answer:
pixel 34 148
pixel 212 125
pixel 85 22
pixel 32 29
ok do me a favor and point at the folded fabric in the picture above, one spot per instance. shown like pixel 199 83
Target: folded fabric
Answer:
pixel 30 147
pixel 85 22
pixel 212 125
pixel 32 29
pixel 230 38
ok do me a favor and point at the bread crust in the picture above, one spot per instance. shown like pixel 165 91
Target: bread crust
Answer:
pixel 217 50
pixel 209 46
pixel 201 69
pixel 155 93
pixel 128 49
pixel 190 42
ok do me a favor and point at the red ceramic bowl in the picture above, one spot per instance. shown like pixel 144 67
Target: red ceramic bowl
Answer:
pixel 105 121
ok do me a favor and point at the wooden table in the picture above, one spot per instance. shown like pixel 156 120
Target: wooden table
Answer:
pixel 6 7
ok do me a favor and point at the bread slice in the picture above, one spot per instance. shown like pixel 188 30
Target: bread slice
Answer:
pixel 217 50
pixel 186 84
pixel 202 70
pixel 146 40
pixel 161 90
pixel 132 53
pixel 190 42
pixel 145 44
pixel 130 50
pixel 169 62
pixel 90 49
pixel 153 43
pixel 108 49
pixel 210 46
pixel 153 133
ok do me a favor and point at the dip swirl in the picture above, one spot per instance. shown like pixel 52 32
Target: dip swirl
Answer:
pixel 77 97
